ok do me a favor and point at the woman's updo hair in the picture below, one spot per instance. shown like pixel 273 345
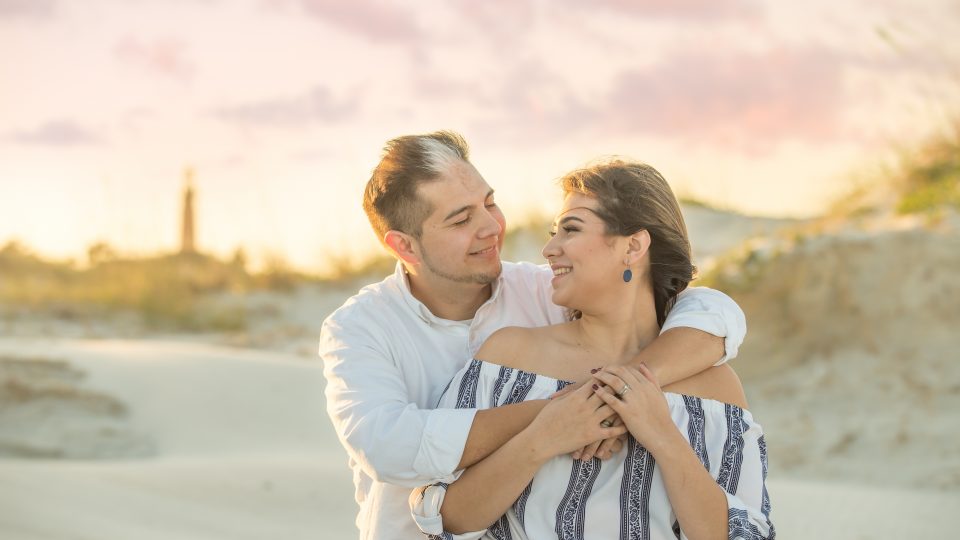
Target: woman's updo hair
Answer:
pixel 633 197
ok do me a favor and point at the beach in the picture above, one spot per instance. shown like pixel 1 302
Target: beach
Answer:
pixel 144 439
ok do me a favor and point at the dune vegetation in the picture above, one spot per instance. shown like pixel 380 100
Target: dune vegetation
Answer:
pixel 168 292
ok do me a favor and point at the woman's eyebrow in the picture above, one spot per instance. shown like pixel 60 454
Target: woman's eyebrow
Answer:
pixel 568 218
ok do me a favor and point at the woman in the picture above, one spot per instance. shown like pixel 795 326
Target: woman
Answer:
pixel 695 461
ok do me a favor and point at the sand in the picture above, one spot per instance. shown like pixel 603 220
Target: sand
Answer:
pixel 232 443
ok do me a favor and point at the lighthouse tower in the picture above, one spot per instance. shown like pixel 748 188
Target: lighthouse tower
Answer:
pixel 187 228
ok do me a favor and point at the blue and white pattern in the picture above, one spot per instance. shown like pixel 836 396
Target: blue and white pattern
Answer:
pixel 696 427
pixel 467 396
pixel 505 373
pixel 729 475
pixel 623 497
pixel 501 529
pixel 741 527
pixel 521 387
pixel 638 470
pixel 521 503
pixel 572 508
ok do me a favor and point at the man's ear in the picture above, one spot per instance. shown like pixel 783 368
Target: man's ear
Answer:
pixel 637 246
pixel 401 245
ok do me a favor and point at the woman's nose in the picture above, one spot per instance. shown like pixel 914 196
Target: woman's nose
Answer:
pixel 550 249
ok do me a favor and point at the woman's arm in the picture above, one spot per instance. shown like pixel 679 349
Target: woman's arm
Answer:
pixel 486 490
pixel 704 509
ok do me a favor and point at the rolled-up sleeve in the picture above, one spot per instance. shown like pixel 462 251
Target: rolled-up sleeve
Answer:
pixel 425 506
pixel 713 312
pixel 383 430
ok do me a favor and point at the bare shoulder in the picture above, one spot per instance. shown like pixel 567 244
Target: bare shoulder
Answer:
pixel 513 346
pixel 503 344
pixel 719 383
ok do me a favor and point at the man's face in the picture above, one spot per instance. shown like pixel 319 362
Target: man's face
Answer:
pixel 462 237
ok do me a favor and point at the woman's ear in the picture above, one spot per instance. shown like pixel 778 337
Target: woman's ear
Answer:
pixel 401 245
pixel 637 246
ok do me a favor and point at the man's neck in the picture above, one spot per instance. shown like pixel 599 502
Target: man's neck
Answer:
pixel 450 300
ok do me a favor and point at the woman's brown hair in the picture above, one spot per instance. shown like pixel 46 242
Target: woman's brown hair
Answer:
pixel 633 197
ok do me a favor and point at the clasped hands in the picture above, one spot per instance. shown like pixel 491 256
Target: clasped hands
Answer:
pixel 602 396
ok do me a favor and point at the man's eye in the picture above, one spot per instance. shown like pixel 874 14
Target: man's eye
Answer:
pixel 462 221
pixel 491 204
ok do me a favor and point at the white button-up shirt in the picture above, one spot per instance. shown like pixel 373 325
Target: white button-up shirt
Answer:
pixel 387 359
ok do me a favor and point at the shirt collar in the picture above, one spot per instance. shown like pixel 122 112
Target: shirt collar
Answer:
pixel 422 311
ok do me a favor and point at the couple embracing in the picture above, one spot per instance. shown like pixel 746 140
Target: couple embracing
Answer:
pixel 587 398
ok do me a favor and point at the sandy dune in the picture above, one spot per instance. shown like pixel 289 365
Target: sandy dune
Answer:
pixel 235 444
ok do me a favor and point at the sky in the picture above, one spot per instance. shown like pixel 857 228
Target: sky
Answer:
pixel 282 107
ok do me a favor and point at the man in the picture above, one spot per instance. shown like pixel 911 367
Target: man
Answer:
pixel 390 351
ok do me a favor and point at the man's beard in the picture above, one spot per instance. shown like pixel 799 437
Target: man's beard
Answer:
pixel 479 278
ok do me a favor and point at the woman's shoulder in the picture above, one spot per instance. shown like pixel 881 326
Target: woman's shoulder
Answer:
pixel 505 345
pixel 517 347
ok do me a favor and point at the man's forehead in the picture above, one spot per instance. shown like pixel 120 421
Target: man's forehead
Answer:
pixel 451 191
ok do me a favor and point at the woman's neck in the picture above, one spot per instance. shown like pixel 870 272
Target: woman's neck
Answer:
pixel 619 333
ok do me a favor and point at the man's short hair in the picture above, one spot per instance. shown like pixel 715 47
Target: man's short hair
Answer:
pixel 391 200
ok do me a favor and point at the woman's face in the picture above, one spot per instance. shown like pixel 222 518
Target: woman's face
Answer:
pixel 587 263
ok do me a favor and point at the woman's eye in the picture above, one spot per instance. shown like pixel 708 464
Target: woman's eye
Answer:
pixel 462 221
pixel 552 233
pixel 570 229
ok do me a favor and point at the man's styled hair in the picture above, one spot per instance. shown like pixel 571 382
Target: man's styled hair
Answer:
pixel 390 199
pixel 633 197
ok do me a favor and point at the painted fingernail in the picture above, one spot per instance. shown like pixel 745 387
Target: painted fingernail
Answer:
pixel 595 387
pixel 594 370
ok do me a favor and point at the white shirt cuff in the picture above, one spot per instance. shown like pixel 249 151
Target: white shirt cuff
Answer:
pixel 444 438
pixel 425 510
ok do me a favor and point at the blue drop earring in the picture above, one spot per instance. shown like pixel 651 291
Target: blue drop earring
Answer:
pixel 627 275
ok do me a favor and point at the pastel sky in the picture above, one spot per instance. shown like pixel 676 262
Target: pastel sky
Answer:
pixel 283 106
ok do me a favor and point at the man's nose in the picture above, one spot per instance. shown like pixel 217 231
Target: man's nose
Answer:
pixel 491 226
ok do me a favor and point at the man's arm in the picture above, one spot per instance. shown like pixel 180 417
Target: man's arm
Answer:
pixel 377 422
pixel 679 353
pixel 705 328
pixel 392 439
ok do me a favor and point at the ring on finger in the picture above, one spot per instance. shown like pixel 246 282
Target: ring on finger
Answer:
pixel 626 388
pixel 607 423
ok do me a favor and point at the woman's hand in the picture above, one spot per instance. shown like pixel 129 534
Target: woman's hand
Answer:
pixel 635 395
pixel 572 421
pixel 603 449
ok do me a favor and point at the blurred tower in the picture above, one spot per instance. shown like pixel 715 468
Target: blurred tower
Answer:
pixel 187 231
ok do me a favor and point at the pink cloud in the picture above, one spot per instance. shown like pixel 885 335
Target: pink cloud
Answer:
pixel 676 9
pixel 316 105
pixel 165 56
pixel 375 20
pixel 26 8
pixel 749 97
pixel 59 132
